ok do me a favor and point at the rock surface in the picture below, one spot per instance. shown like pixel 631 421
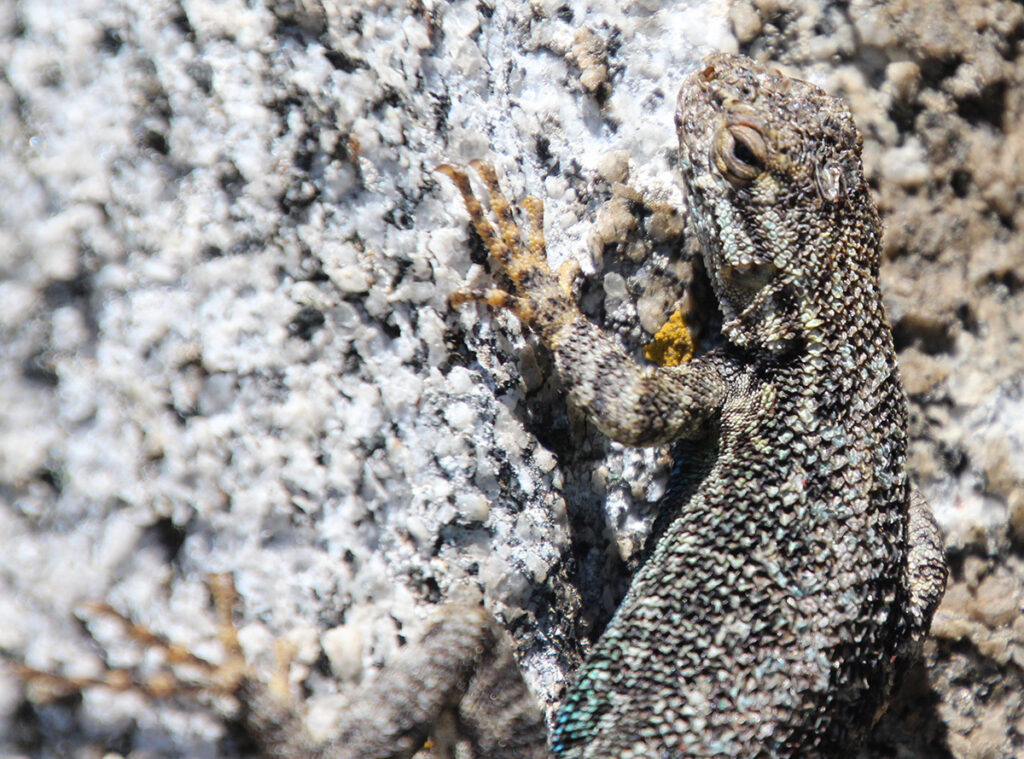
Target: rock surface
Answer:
pixel 225 343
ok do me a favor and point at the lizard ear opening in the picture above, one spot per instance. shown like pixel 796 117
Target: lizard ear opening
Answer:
pixel 830 182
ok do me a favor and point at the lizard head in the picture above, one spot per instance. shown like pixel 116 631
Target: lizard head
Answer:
pixel 777 197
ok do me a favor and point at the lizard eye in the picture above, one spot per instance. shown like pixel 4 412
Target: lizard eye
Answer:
pixel 739 153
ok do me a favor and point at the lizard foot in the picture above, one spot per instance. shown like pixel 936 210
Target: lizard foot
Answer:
pixel 460 684
pixel 542 298
pixel 185 673
pixel 266 712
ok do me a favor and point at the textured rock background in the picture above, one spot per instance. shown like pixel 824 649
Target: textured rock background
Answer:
pixel 226 346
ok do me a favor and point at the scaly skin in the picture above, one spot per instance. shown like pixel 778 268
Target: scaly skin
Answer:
pixel 792 571
pixel 781 595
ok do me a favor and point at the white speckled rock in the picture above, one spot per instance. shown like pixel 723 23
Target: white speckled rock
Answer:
pixel 225 339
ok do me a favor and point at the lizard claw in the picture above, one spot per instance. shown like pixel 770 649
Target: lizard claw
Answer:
pixel 203 675
pixel 495 298
pixel 567 273
pixel 541 299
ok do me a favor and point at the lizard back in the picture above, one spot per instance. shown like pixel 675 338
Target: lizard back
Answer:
pixel 775 594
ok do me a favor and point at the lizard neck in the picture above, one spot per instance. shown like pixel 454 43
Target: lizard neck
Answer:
pixel 841 372
pixel 823 324
pixel 845 329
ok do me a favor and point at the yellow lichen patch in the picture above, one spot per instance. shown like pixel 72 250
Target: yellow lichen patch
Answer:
pixel 672 344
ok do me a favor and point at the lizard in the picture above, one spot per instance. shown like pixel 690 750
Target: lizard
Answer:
pixel 793 569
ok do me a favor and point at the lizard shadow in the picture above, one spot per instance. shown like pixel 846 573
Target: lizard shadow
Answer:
pixel 56 728
pixel 594 566
pixel 600 566
pixel 603 556
pixel 912 725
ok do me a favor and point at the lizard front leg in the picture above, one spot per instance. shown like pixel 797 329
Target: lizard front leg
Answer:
pixel 631 404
